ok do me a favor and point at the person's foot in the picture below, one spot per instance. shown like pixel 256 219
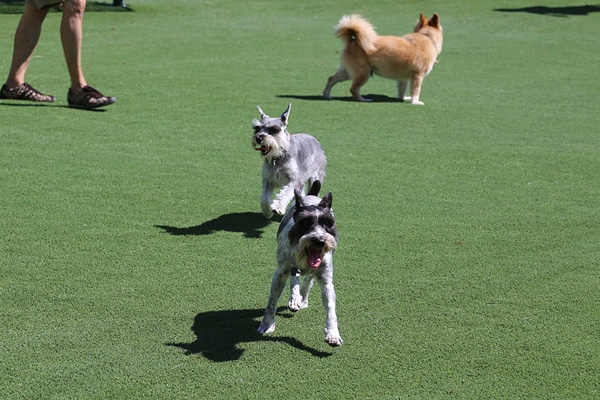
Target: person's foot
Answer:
pixel 25 92
pixel 88 98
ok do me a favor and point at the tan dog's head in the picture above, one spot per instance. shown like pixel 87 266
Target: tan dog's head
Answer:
pixel 431 28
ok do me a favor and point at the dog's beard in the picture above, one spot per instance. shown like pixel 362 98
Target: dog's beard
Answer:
pixel 270 147
pixel 310 253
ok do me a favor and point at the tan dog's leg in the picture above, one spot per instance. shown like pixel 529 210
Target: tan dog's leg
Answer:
pixel 359 80
pixel 340 76
pixel 402 86
pixel 415 89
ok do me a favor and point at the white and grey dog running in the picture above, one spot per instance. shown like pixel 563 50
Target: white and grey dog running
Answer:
pixel 290 161
pixel 306 240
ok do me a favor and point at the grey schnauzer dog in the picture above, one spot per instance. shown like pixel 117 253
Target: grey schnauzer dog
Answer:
pixel 289 161
pixel 306 240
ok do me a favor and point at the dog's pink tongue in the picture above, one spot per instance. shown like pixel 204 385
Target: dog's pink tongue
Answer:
pixel 314 258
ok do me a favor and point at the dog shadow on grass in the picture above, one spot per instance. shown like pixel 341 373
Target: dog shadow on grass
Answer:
pixel 375 98
pixel 249 223
pixel 219 334
pixel 554 11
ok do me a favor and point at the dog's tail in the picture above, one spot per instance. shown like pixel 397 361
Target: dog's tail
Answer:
pixel 354 28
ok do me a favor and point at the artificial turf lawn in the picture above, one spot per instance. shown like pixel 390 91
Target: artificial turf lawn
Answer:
pixel 134 262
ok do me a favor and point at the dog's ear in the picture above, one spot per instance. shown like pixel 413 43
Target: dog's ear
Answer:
pixel 314 188
pixel 299 199
pixel 262 113
pixel 286 115
pixel 434 21
pixel 326 201
pixel 420 23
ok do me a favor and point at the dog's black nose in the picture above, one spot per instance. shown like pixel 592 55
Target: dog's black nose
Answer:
pixel 258 139
pixel 319 243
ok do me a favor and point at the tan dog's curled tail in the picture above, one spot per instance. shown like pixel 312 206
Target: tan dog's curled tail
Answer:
pixel 355 28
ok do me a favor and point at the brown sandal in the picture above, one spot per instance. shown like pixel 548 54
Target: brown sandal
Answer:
pixel 25 92
pixel 89 98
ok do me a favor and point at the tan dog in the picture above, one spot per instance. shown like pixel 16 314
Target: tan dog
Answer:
pixel 406 58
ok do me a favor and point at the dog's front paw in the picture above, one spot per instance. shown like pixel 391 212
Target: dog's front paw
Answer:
pixel 333 338
pixel 277 207
pixel 266 210
pixel 266 327
pixel 414 100
pixel 294 305
pixel 297 304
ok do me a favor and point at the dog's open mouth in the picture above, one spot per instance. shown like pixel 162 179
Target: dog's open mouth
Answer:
pixel 313 257
pixel 264 150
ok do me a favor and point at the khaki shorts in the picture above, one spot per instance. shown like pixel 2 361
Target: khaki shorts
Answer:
pixel 41 4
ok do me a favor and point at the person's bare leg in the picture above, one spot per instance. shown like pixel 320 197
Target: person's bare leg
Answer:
pixel 80 95
pixel 27 36
pixel 71 34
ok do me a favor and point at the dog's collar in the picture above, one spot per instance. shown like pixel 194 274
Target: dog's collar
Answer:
pixel 274 160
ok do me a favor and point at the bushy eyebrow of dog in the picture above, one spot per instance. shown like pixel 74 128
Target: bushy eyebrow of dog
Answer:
pixel 307 218
pixel 310 215
pixel 272 128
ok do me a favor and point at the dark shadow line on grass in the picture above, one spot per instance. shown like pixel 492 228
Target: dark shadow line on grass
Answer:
pixel 37 104
pixel 16 7
pixel 27 104
pixel 555 11
pixel 219 334
pixel 249 223
pixel 376 98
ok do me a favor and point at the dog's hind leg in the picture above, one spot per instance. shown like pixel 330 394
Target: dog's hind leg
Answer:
pixel 358 82
pixel 268 322
pixel 294 304
pixel 307 284
pixel 402 86
pixel 266 199
pixel 283 198
pixel 299 295
pixel 340 76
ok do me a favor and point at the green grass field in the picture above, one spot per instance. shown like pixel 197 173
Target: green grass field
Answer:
pixel 135 263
